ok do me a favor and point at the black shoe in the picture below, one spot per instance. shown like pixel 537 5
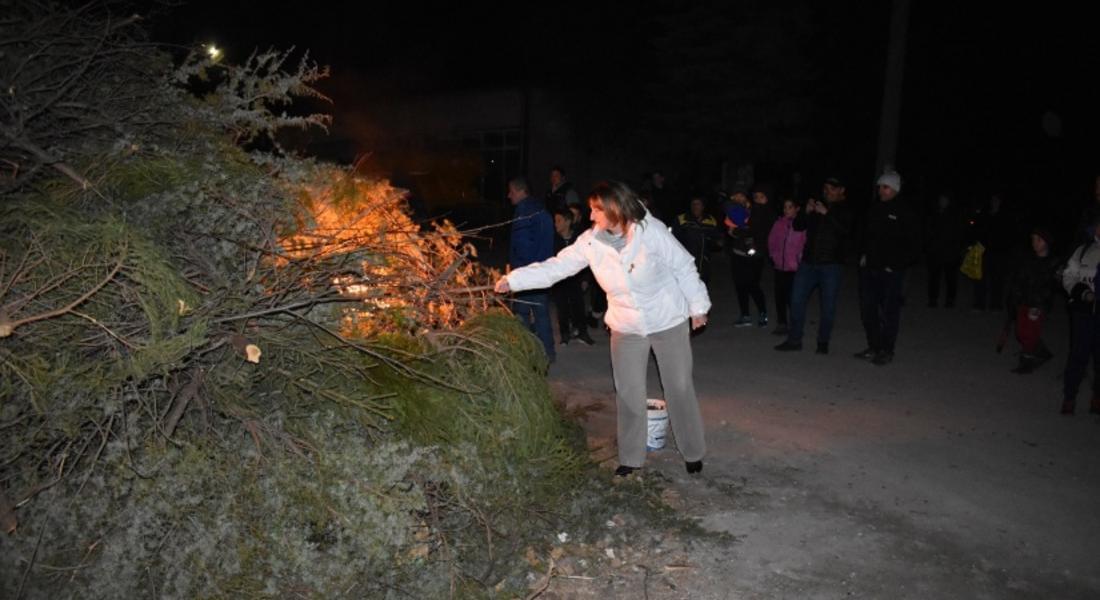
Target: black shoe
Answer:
pixel 1043 354
pixel 883 358
pixel 694 466
pixel 585 339
pixel 867 354
pixel 789 346
pixel 1027 364
pixel 822 348
pixel 624 470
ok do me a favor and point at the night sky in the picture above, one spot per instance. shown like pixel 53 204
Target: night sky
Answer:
pixel 991 100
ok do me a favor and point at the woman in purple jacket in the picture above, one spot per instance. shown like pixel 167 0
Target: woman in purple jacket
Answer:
pixel 785 249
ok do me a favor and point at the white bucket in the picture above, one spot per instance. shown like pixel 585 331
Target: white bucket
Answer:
pixel 657 414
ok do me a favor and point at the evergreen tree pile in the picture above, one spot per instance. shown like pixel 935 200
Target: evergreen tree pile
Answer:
pixel 227 371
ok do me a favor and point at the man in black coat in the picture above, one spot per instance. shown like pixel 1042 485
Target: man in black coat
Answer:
pixel 891 244
pixel 698 232
pixel 828 225
pixel 946 239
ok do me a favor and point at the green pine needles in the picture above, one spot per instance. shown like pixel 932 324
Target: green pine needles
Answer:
pixel 227 372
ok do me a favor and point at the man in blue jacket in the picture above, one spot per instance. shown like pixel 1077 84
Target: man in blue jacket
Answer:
pixel 532 242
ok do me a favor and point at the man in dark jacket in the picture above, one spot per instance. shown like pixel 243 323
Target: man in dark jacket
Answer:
pixel 532 241
pixel 891 245
pixel 946 239
pixel 828 225
pixel 995 228
pixel 699 234
pixel 562 195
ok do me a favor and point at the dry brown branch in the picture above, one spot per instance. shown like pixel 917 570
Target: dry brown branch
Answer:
pixel 108 330
pixel 7 326
pixel 46 158
pixel 105 433
pixel 179 404
pixel 8 521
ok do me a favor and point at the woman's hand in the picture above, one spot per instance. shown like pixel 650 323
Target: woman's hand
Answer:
pixel 698 321
pixel 502 286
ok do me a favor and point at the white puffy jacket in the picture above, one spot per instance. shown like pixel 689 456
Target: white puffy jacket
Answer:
pixel 651 284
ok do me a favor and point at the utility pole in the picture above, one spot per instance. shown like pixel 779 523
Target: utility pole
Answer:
pixel 891 94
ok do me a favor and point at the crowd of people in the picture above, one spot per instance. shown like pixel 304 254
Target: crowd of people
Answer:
pixel 625 253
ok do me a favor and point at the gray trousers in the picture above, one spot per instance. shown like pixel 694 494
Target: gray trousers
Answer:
pixel 629 362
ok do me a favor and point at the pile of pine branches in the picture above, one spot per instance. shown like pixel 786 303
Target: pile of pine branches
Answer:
pixel 234 371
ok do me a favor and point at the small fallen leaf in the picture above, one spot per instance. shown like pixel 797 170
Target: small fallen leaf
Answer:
pixel 252 352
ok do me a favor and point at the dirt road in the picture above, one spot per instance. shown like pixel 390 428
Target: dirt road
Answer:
pixel 942 475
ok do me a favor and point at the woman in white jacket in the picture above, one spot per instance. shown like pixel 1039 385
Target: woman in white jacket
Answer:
pixel 653 293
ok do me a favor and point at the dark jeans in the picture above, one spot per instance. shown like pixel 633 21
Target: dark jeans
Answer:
pixel 947 271
pixel 746 278
pixel 784 282
pixel 808 277
pixel 569 300
pixel 533 310
pixel 880 306
pixel 1084 342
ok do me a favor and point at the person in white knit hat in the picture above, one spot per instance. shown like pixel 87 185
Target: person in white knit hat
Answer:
pixel 891 244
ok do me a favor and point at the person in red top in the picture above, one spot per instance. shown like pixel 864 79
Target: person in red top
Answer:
pixel 785 250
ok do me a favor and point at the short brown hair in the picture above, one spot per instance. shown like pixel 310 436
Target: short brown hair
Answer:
pixel 621 205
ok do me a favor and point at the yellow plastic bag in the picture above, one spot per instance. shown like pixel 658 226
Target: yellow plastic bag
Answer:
pixel 972 261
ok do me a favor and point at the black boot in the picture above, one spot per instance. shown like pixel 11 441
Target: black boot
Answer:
pixel 693 466
pixel 624 471
pixel 1027 364
pixel 867 354
pixel 1042 353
